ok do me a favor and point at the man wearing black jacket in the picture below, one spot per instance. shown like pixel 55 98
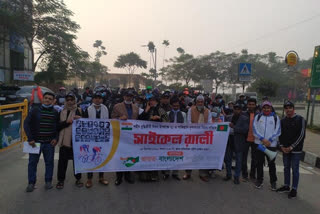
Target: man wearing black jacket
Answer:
pixel 291 143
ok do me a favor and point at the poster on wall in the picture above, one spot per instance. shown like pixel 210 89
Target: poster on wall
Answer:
pixel 10 129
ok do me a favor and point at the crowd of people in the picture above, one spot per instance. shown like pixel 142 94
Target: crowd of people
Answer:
pixel 50 119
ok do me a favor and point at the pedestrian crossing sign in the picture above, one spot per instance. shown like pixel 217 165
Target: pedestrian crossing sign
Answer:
pixel 244 72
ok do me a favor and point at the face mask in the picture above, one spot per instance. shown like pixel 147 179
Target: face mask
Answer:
pixel 245 102
pixel 175 111
pixel 98 105
pixel 267 113
pixel 200 108
pixel 214 114
pixel 219 100
pixel 128 102
pixel 46 106
pixel 34 87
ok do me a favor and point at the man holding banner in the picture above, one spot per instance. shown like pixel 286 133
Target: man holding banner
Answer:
pixel 124 111
pixel 237 139
pixel 175 116
pixel 97 111
pixel 199 114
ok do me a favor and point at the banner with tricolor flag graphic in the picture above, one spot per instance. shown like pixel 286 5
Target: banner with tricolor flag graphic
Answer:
pixel 132 145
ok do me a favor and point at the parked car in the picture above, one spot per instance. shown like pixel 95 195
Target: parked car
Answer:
pixel 25 91
pixel 8 95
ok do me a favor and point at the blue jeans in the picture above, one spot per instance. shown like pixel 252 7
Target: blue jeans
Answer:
pixel 48 154
pixel 291 160
pixel 228 158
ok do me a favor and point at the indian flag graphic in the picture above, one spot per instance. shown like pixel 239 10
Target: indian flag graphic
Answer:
pixel 222 128
pixel 126 126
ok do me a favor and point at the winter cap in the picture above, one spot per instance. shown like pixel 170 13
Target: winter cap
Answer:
pixel 266 103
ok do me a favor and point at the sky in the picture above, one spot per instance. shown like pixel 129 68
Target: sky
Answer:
pixel 198 26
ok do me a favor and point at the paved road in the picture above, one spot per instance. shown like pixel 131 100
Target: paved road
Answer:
pixel 168 197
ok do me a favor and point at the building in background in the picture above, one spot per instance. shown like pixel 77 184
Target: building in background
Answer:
pixel 15 55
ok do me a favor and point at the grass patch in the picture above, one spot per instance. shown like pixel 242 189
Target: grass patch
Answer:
pixel 314 128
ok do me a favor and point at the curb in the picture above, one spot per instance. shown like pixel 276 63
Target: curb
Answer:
pixel 311 158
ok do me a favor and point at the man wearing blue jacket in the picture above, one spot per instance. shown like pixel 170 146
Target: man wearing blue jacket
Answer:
pixel 266 130
pixel 41 126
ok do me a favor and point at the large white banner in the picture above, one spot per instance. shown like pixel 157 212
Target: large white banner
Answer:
pixel 133 145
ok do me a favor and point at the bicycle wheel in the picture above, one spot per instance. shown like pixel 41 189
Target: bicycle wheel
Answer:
pixel 98 160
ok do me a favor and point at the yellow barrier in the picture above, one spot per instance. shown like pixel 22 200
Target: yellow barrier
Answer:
pixel 10 109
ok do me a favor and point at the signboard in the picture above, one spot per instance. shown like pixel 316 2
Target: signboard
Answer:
pixel 292 58
pixel 207 85
pixel 23 75
pixel 244 72
pixel 315 73
pixel 133 145
pixel 10 129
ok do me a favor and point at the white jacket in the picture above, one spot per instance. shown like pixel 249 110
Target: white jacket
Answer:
pixel 266 128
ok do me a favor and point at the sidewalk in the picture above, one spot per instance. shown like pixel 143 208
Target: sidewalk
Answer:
pixel 311 149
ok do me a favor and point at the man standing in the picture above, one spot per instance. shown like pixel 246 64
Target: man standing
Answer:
pixel 175 116
pixel 251 113
pixel 165 101
pixel 239 124
pixel 291 143
pixel 152 112
pixel 199 114
pixel 36 96
pixel 87 95
pixel 125 111
pixel 242 102
pixel 69 113
pixel 61 96
pixel 41 126
pixel 266 130
pixel 97 111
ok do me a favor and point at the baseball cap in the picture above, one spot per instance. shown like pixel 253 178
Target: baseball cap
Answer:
pixel 97 94
pixel 288 103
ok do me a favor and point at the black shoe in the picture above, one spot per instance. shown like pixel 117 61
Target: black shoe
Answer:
pixel 236 181
pixel 176 177
pixel 259 185
pixel 30 188
pixel 283 189
pixel 292 194
pixel 118 182
pixel 227 178
pixel 273 186
pixel 165 177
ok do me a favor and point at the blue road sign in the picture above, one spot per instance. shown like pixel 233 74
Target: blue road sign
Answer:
pixel 244 72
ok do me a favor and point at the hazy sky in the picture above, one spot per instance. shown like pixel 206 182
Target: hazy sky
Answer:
pixel 198 26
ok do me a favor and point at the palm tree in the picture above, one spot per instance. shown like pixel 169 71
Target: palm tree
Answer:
pixel 166 44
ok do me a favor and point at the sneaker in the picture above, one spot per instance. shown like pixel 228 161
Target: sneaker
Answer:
pixel 48 185
pixel 292 194
pixel 30 188
pixel 245 179
pixel 259 185
pixel 236 181
pixel 273 186
pixel 283 189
